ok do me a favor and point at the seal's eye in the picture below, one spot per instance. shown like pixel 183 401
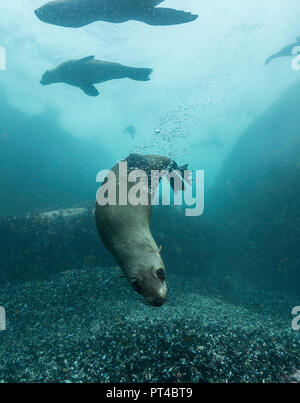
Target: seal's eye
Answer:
pixel 161 274
pixel 136 286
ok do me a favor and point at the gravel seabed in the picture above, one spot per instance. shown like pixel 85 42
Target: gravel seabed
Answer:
pixel 88 326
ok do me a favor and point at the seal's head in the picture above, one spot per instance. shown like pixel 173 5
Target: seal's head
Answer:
pixel 47 12
pixel 54 12
pixel 150 281
pixel 61 13
pixel 46 78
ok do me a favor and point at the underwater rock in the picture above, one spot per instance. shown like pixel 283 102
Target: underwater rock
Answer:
pixel 254 205
pixel 58 214
pixel 39 245
pixel 71 328
pixel 44 167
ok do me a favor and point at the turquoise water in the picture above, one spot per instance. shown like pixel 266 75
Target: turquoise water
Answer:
pixel 210 102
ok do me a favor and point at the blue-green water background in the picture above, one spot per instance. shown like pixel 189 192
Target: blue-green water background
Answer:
pixel 233 272
pixel 209 81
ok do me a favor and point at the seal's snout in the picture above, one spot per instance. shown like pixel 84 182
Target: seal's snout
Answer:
pixel 38 12
pixel 41 14
pixel 158 301
pixel 46 78
pixel 43 81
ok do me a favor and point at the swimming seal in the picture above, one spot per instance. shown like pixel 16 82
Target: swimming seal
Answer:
pixel 125 231
pixel 286 51
pixel 86 72
pixel 78 13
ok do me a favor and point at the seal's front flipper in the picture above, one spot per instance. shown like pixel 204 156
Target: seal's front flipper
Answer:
pixel 86 59
pixel 167 16
pixel 90 90
pixel 148 3
pixel 269 59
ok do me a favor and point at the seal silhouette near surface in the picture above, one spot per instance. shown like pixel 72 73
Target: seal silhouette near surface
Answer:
pixel 86 72
pixel 78 13
pixel 125 231
pixel 286 51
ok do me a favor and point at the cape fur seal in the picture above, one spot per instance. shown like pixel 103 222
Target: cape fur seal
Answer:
pixel 212 141
pixel 78 13
pixel 130 130
pixel 286 51
pixel 125 231
pixel 86 72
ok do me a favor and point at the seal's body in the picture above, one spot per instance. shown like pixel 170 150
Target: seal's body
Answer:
pixel 86 72
pixel 78 13
pixel 125 231
pixel 286 51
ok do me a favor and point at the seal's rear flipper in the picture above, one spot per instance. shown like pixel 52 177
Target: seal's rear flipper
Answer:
pixel 90 90
pixel 181 174
pixel 139 74
pixel 167 16
pixel 183 168
pixel 187 176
